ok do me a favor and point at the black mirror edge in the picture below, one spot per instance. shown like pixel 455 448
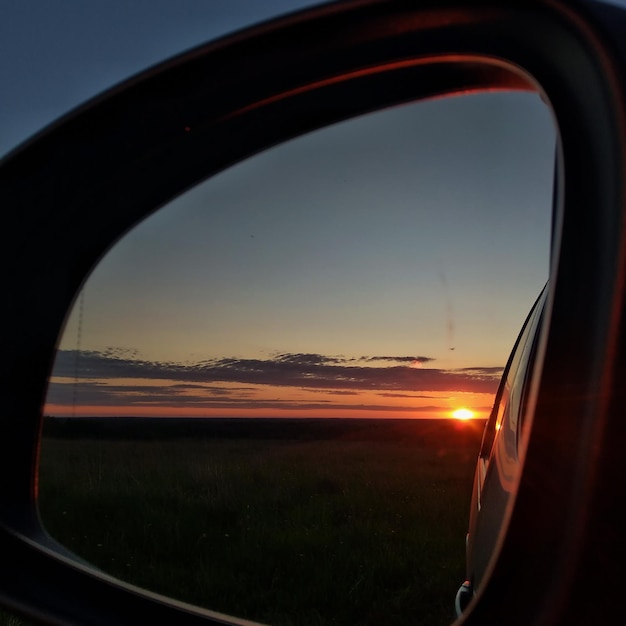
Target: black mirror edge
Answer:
pixel 167 123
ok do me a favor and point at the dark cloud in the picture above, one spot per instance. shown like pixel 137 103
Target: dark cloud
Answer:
pixel 307 359
pixel 211 390
pixel 482 371
pixel 120 353
pixel 334 392
pixel 98 394
pixel 404 395
pixel 398 359
pixel 308 371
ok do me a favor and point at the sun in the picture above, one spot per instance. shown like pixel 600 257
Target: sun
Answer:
pixel 463 414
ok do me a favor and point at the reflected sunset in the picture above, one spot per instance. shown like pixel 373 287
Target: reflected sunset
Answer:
pixel 287 385
pixel 463 414
pixel 339 275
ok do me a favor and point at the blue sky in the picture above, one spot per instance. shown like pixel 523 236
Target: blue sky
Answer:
pixel 382 267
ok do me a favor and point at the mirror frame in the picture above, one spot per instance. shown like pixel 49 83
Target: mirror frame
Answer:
pixel 74 189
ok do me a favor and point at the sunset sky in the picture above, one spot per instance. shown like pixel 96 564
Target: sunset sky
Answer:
pixel 378 268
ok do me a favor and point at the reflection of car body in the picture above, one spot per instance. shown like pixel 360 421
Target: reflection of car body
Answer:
pixel 498 466
pixel 552 551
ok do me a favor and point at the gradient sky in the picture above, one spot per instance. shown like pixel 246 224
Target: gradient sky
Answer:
pixel 378 268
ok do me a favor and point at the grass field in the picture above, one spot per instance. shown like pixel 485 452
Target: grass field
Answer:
pixel 353 528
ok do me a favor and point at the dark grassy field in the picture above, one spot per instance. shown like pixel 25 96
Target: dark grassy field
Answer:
pixel 333 522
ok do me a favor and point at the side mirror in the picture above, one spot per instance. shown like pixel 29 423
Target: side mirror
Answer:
pixel 71 192
pixel 341 297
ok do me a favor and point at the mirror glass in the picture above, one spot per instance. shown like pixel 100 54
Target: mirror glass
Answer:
pixel 269 396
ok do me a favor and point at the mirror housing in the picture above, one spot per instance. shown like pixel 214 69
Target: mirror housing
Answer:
pixel 71 191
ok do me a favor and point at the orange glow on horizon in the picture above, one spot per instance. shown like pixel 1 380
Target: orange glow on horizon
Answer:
pixel 268 401
pixel 463 414
pixel 164 411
